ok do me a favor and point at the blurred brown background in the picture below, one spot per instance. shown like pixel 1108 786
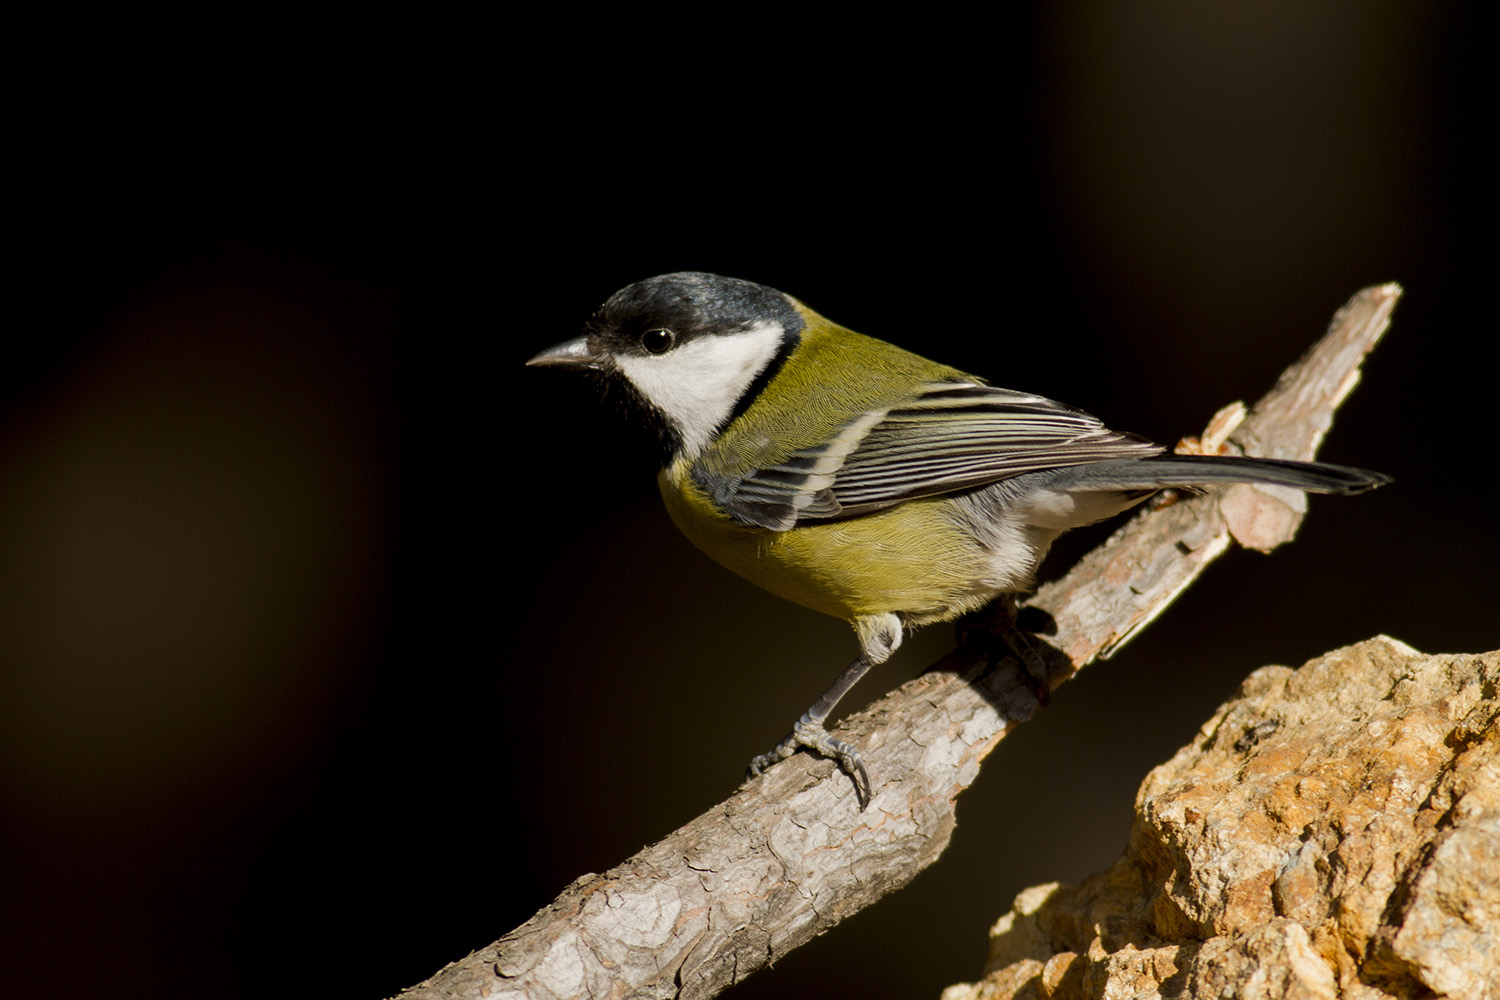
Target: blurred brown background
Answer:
pixel 334 642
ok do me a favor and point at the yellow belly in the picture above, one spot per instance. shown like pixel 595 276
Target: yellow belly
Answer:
pixel 848 569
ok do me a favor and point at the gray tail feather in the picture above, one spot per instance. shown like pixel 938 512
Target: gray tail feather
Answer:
pixel 1168 471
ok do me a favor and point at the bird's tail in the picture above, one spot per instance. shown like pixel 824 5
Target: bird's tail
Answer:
pixel 1186 471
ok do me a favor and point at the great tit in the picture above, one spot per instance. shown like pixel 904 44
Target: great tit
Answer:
pixel 862 480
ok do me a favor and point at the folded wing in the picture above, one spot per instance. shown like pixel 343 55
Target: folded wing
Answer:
pixel 949 437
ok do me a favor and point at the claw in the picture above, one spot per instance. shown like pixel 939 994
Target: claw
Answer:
pixel 996 630
pixel 1036 674
pixel 812 735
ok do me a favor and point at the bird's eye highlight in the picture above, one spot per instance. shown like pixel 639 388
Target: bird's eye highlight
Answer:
pixel 658 341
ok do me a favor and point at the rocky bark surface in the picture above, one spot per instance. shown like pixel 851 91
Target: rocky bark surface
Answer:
pixel 1332 831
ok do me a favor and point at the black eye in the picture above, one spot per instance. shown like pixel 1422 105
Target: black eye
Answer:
pixel 658 341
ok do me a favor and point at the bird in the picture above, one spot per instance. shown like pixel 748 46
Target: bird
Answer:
pixel 862 480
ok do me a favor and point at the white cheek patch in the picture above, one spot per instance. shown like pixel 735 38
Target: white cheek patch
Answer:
pixel 697 385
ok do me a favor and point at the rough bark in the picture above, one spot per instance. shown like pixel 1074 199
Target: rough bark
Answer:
pixel 790 854
pixel 1332 831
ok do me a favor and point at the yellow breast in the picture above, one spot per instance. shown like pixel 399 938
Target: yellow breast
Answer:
pixel 847 569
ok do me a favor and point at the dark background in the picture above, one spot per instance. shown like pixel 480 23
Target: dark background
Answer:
pixel 334 642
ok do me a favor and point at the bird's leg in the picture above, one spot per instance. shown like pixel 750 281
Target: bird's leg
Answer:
pixel 996 627
pixel 810 733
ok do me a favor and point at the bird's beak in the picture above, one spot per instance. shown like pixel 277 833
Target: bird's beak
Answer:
pixel 574 353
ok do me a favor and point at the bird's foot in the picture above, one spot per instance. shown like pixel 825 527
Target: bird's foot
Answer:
pixel 995 629
pixel 1037 675
pixel 811 734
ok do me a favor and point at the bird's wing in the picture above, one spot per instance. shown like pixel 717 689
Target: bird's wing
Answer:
pixel 950 436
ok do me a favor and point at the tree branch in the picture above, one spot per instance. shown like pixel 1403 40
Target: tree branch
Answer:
pixel 790 854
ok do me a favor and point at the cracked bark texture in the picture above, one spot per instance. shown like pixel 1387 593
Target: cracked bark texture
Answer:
pixel 790 854
pixel 1332 831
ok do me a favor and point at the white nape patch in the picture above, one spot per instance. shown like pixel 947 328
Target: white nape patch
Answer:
pixel 697 385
